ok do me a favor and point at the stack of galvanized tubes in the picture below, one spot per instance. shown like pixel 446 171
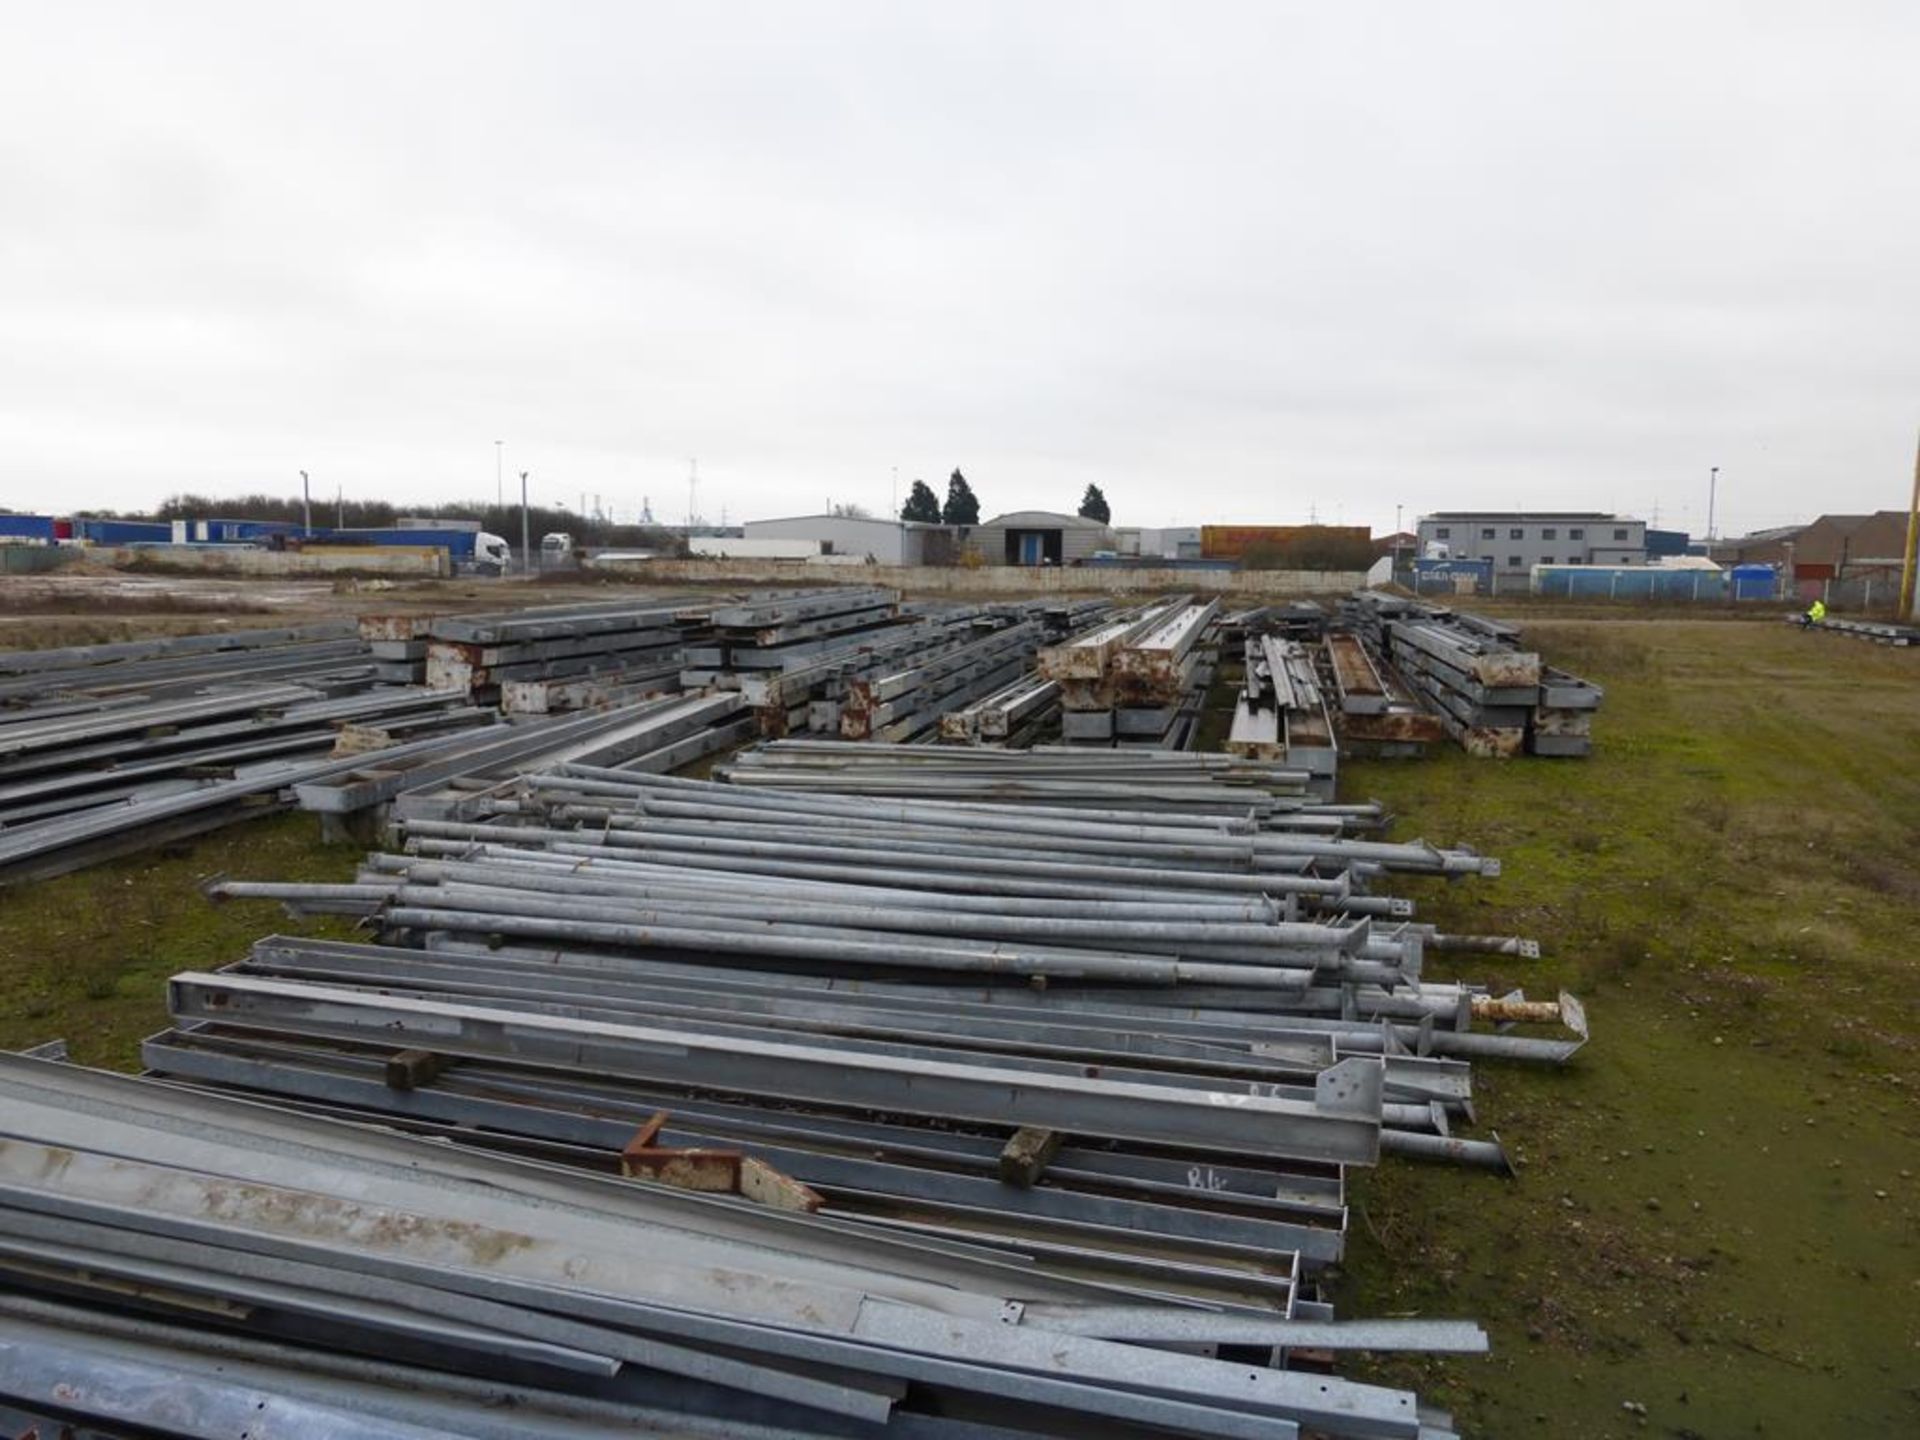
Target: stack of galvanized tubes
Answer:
pixel 1210 896
pixel 916 1090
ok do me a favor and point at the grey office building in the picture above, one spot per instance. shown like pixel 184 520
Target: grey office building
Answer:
pixel 1518 540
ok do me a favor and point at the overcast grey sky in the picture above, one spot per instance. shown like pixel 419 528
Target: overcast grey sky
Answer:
pixel 1231 261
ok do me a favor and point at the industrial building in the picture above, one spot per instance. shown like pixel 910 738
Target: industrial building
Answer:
pixel 1517 540
pixel 1851 552
pixel 1171 542
pixel 885 542
pixel 1041 537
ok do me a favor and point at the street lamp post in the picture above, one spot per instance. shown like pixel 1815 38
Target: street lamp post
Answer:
pixel 526 549
pixel 306 503
pixel 1713 484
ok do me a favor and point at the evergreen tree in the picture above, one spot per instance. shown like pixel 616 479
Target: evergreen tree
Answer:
pixel 962 508
pixel 922 504
pixel 1093 506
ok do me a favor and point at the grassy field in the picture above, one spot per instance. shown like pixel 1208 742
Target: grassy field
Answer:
pixel 85 958
pixel 1717 1215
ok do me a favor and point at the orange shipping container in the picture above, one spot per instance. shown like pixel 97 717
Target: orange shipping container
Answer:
pixel 1231 542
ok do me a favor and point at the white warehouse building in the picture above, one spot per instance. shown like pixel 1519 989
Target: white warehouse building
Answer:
pixel 885 542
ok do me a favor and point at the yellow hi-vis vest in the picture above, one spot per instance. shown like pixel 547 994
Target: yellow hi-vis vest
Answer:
pixel 1818 610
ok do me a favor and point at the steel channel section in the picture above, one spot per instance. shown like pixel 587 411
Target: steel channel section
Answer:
pixel 1226 1040
pixel 168 1272
pixel 76 1379
pixel 589 1221
pixel 517 1333
pixel 478 1096
pixel 850 1039
pixel 1190 1213
pixel 1343 1125
pixel 1187 1394
pixel 378 1391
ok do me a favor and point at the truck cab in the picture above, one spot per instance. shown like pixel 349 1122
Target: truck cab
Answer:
pixel 556 548
pixel 491 554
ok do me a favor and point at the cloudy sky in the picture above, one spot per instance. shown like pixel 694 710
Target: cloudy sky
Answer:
pixel 1231 261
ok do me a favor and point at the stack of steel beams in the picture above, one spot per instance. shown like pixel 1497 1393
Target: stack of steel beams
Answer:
pixel 1160 679
pixel 1084 665
pixel 1068 776
pixel 902 704
pixel 1281 714
pixel 782 631
pixel 398 645
pixel 629 643
pixel 272 1271
pixel 324 654
pixel 1015 715
pixel 1494 697
pixel 106 753
pixel 1378 715
pixel 897 680
pixel 654 735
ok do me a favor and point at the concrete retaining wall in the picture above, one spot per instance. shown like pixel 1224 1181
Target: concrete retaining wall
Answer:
pixel 412 562
pixel 994 579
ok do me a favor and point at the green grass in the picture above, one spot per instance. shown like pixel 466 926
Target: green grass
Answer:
pixel 85 957
pixel 1717 1214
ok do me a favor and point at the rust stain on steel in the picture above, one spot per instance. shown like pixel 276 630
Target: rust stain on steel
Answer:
pixel 1352 665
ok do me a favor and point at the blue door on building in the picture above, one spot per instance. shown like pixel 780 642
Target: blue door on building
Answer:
pixel 1030 549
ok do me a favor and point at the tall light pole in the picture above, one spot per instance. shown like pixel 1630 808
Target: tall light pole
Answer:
pixel 306 503
pixel 339 506
pixel 1910 555
pixel 1713 484
pixel 499 485
pixel 526 551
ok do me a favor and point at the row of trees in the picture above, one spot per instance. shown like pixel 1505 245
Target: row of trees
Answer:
pixel 963 506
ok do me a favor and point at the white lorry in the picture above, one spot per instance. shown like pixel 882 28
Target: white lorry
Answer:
pixel 491 554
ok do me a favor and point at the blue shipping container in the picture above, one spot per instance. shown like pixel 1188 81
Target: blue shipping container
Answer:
pixel 457 543
pixel 122 532
pixel 1755 582
pixel 1628 582
pixel 27 527
pixel 1444 576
